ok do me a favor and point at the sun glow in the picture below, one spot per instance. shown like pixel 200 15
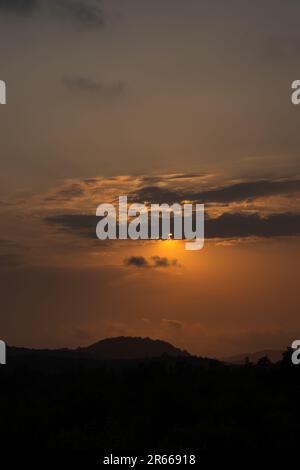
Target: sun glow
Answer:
pixel 170 245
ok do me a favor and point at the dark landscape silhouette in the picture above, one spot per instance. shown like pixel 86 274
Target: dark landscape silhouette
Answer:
pixel 157 397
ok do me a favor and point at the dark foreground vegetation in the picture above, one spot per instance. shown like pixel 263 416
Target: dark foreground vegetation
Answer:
pixel 163 403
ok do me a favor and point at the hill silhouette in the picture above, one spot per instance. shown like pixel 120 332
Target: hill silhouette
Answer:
pixel 123 347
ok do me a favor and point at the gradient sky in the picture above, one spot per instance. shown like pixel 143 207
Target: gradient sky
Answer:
pixel 165 101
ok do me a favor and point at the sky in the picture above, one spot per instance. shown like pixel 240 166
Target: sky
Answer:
pixel 165 101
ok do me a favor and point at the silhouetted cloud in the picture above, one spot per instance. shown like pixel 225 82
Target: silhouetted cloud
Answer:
pixel 224 194
pixel 228 225
pixel 176 176
pixel 249 190
pixel 163 262
pixel 136 261
pixel 89 85
pixel 158 195
pixel 154 262
pixel 247 225
pixel 82 224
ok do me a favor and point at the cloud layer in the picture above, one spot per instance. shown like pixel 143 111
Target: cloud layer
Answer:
pixel 87 13
pixel 224 194
pixel 236 225
pixel 154 262
pixel 259 208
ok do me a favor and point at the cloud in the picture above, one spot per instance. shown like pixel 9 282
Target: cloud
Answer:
pixel 228 225
pixel 87 13
pixel 136 261
pixel 249 190
pixel 173 177
pixel 19 6
pixel 154 262
pixel 89 85
pixel 248 225
pixel 163 262
pixel 172 324
pixel 252 225
pixel 82 224
pixel 224 194
pixel 70 192
pixel 262 208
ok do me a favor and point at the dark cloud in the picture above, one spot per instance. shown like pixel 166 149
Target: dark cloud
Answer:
pixel 136 261
pixel 87 13
pixel 177 176
pixel 247 225
pixel 81 224
pixel 249 190
pixel 163 262
pixel 186 176
pixel 224 194
pixel 157 195
pixel 89 85
pixel 229 225
pixel 19 6
pixel 154 262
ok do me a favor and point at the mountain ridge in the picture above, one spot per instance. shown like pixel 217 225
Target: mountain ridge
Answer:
pixel 274 355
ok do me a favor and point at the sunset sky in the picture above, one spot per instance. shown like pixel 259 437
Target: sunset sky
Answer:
pixel 164 101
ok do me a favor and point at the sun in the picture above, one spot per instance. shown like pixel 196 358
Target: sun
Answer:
pixel 170 243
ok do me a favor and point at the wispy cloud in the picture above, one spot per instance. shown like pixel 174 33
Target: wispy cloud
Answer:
pixel 174 325
pixel 87 84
